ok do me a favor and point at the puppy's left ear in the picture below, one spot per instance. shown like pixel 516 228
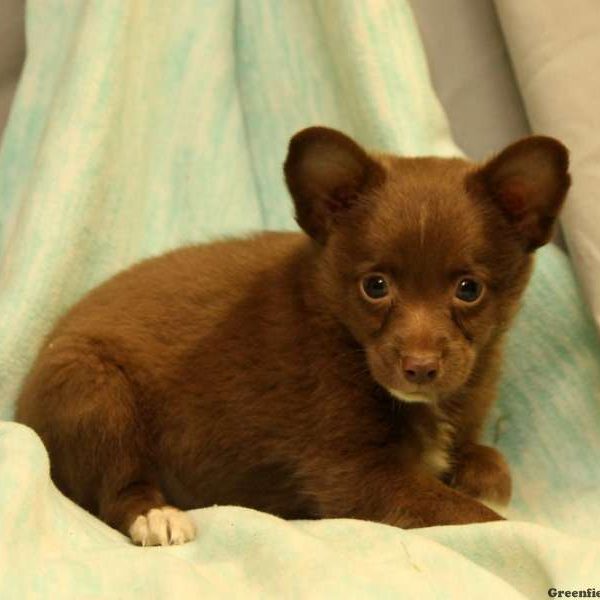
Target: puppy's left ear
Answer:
pixel 528 181
pixel 328 175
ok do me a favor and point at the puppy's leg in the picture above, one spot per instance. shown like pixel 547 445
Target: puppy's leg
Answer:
pixel 483 473
pixel 97 434
pixel 389 493
pixel 425 501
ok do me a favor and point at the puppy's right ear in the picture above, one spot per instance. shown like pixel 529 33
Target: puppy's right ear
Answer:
pixel 327 174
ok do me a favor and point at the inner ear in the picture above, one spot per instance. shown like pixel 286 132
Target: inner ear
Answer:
pixel 528 181
pixel 327 173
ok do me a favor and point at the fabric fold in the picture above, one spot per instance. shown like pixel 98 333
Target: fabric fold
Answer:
pixel 141 126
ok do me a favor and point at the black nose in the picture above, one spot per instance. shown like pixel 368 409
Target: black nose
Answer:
pixel 420 369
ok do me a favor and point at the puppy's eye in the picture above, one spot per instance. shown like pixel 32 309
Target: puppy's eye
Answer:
pixel 468 289
pixel 375 286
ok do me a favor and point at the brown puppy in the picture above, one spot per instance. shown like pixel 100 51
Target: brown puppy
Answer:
pixel 345 373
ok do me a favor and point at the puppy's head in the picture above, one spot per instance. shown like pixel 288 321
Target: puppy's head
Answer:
pixel 424 259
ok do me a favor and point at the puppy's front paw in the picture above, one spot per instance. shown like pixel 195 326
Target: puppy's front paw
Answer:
pixel 483 473
pixel 162 527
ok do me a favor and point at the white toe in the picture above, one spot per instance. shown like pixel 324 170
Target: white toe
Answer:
pixel 162 527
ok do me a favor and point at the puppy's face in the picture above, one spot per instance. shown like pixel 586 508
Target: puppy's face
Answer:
pixel 424 260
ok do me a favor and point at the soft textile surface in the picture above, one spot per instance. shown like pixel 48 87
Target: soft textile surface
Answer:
pixel 57 551
pixel 12 53
pixel 139 126
pixel 555 49
pixel 471 73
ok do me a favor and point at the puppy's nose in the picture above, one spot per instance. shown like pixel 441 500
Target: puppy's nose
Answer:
pixel 420 369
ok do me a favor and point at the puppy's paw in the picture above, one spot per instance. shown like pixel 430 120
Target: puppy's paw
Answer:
pixel 483 473
pixel 162 527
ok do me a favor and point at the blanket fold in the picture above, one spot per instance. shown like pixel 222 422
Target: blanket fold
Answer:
pixel 140 126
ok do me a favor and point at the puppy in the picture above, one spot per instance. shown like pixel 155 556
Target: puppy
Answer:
pixel 341 372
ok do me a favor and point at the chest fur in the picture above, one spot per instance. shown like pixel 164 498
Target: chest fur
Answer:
pixel 436 453
pixel 430 433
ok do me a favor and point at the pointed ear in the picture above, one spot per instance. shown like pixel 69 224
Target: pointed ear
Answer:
pixel 528 181
pixel 326 173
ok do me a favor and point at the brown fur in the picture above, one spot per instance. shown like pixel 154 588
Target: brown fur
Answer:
pixel 256 371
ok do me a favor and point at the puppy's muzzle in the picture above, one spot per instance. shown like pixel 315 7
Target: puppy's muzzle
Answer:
pixel 420 368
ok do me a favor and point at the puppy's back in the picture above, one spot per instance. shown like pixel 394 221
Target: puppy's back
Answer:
pixel 146 317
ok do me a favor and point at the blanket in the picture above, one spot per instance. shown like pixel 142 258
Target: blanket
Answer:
pixel 546 58
pixel 140 126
